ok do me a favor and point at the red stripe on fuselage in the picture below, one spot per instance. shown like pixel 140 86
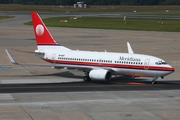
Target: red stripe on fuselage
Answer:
pixel 97 64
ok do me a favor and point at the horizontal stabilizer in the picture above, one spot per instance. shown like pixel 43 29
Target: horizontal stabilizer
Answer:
pixel 129 48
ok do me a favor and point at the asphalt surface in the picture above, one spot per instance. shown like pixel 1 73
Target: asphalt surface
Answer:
pixel 90 86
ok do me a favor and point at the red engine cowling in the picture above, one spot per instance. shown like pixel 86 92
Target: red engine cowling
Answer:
pixel 100 74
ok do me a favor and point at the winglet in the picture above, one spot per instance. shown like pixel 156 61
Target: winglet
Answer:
pixel 129 48
pixel 10 57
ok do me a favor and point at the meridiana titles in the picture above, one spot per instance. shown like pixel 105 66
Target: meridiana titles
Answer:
pixel 129 58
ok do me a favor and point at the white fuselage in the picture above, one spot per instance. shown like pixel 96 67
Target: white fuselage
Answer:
pixel 136 65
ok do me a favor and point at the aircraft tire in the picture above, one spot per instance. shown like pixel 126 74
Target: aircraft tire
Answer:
pixel 86 79
pixel 154 82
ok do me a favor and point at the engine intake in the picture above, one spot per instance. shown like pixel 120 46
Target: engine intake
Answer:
pixel 100 74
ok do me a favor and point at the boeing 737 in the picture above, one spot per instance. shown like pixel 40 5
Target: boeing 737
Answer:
pixel 95 65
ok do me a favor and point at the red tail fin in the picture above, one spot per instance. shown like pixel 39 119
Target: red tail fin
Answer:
pixel 43 36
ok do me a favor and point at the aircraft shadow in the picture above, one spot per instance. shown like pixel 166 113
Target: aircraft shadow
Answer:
pixel 114 80
pixel 66 74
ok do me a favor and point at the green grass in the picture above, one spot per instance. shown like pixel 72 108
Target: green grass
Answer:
pixel 6 17
pixel 110 8
pixel 170 25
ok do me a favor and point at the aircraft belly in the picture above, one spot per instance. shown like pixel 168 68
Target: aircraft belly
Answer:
pixel 141 73
pixel 119 71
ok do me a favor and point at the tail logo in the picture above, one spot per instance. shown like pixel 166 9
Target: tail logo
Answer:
pixel 39 30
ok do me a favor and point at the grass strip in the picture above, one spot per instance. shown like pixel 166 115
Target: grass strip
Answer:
pixel 168 25
pixel 6 17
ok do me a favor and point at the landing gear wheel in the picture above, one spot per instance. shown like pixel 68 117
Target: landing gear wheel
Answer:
pixel 154 82
pixel 86 79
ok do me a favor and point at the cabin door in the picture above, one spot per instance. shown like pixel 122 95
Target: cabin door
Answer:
pixel 146 64
pixel 53 58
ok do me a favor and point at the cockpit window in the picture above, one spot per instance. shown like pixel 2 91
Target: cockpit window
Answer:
pixel 164 63
pixel 160 63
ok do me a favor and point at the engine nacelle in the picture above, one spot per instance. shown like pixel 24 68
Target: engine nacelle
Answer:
pixel 100 75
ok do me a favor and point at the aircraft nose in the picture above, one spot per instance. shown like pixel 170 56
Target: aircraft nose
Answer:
pixel 171 69
pixel 168 70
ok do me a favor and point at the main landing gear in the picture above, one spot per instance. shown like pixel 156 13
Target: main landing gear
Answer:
pixel 86 79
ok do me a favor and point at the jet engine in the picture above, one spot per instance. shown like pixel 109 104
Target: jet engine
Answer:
pixel 100 74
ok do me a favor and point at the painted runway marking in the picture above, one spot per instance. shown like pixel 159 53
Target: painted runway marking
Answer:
pixel 135 83
pixel 4 68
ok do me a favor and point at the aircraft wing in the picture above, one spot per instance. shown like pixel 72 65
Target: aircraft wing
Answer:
pixel 52 65
pixel 24 64
pixel 11 58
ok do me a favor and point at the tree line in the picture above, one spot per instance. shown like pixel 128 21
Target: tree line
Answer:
pixel 93 2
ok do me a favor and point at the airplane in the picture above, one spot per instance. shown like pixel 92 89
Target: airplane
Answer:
pixel 96 65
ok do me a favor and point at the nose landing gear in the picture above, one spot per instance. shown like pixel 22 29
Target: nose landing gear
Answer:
pixel 154 81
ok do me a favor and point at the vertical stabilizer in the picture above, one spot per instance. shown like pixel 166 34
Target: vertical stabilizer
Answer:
pixel 44 40
pixel 129 48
